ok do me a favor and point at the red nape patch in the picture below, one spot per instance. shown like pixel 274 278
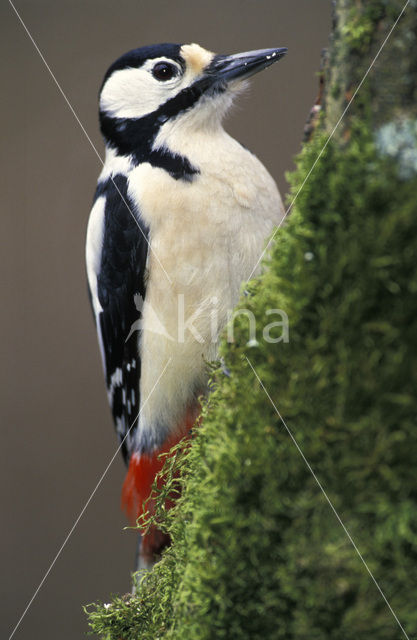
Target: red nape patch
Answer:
pixel 143 469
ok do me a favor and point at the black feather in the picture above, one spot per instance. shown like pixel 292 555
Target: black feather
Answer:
pixel 121 289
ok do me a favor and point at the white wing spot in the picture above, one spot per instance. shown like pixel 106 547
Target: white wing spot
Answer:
pixel 116 380
pixel 119 427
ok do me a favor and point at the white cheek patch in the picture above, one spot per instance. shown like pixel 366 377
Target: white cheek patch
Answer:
pixel 134 93
pixel 131 93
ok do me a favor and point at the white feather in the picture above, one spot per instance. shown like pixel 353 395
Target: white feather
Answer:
pixel 93 249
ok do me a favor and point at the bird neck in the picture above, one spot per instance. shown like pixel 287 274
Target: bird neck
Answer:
pixel 165 144
pixel 193 138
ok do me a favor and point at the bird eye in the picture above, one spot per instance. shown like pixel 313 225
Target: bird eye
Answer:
pixel 164 71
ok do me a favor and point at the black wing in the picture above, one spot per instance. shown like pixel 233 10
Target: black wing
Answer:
pixel 121 290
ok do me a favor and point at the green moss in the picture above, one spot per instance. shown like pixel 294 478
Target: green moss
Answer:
pixel 357 31
pixel 360 23
pixel 389 89
pixel 336 91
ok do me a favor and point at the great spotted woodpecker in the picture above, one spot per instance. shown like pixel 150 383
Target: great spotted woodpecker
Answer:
pixel 180 217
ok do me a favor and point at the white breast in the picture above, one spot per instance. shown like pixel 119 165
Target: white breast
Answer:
pixel 208 235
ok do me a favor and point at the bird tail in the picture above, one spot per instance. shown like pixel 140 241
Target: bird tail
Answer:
pixel 137 487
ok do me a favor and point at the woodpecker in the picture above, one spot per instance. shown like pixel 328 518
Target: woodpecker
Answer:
pixel 180 217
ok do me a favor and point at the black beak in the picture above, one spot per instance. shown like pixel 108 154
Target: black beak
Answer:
pixel 243 65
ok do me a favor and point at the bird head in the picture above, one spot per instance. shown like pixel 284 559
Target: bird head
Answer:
pixel 183 84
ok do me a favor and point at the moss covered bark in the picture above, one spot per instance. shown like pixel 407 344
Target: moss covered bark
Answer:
pixel 257 552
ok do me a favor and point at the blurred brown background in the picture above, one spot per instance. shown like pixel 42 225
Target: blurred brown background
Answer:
pixel 57 435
